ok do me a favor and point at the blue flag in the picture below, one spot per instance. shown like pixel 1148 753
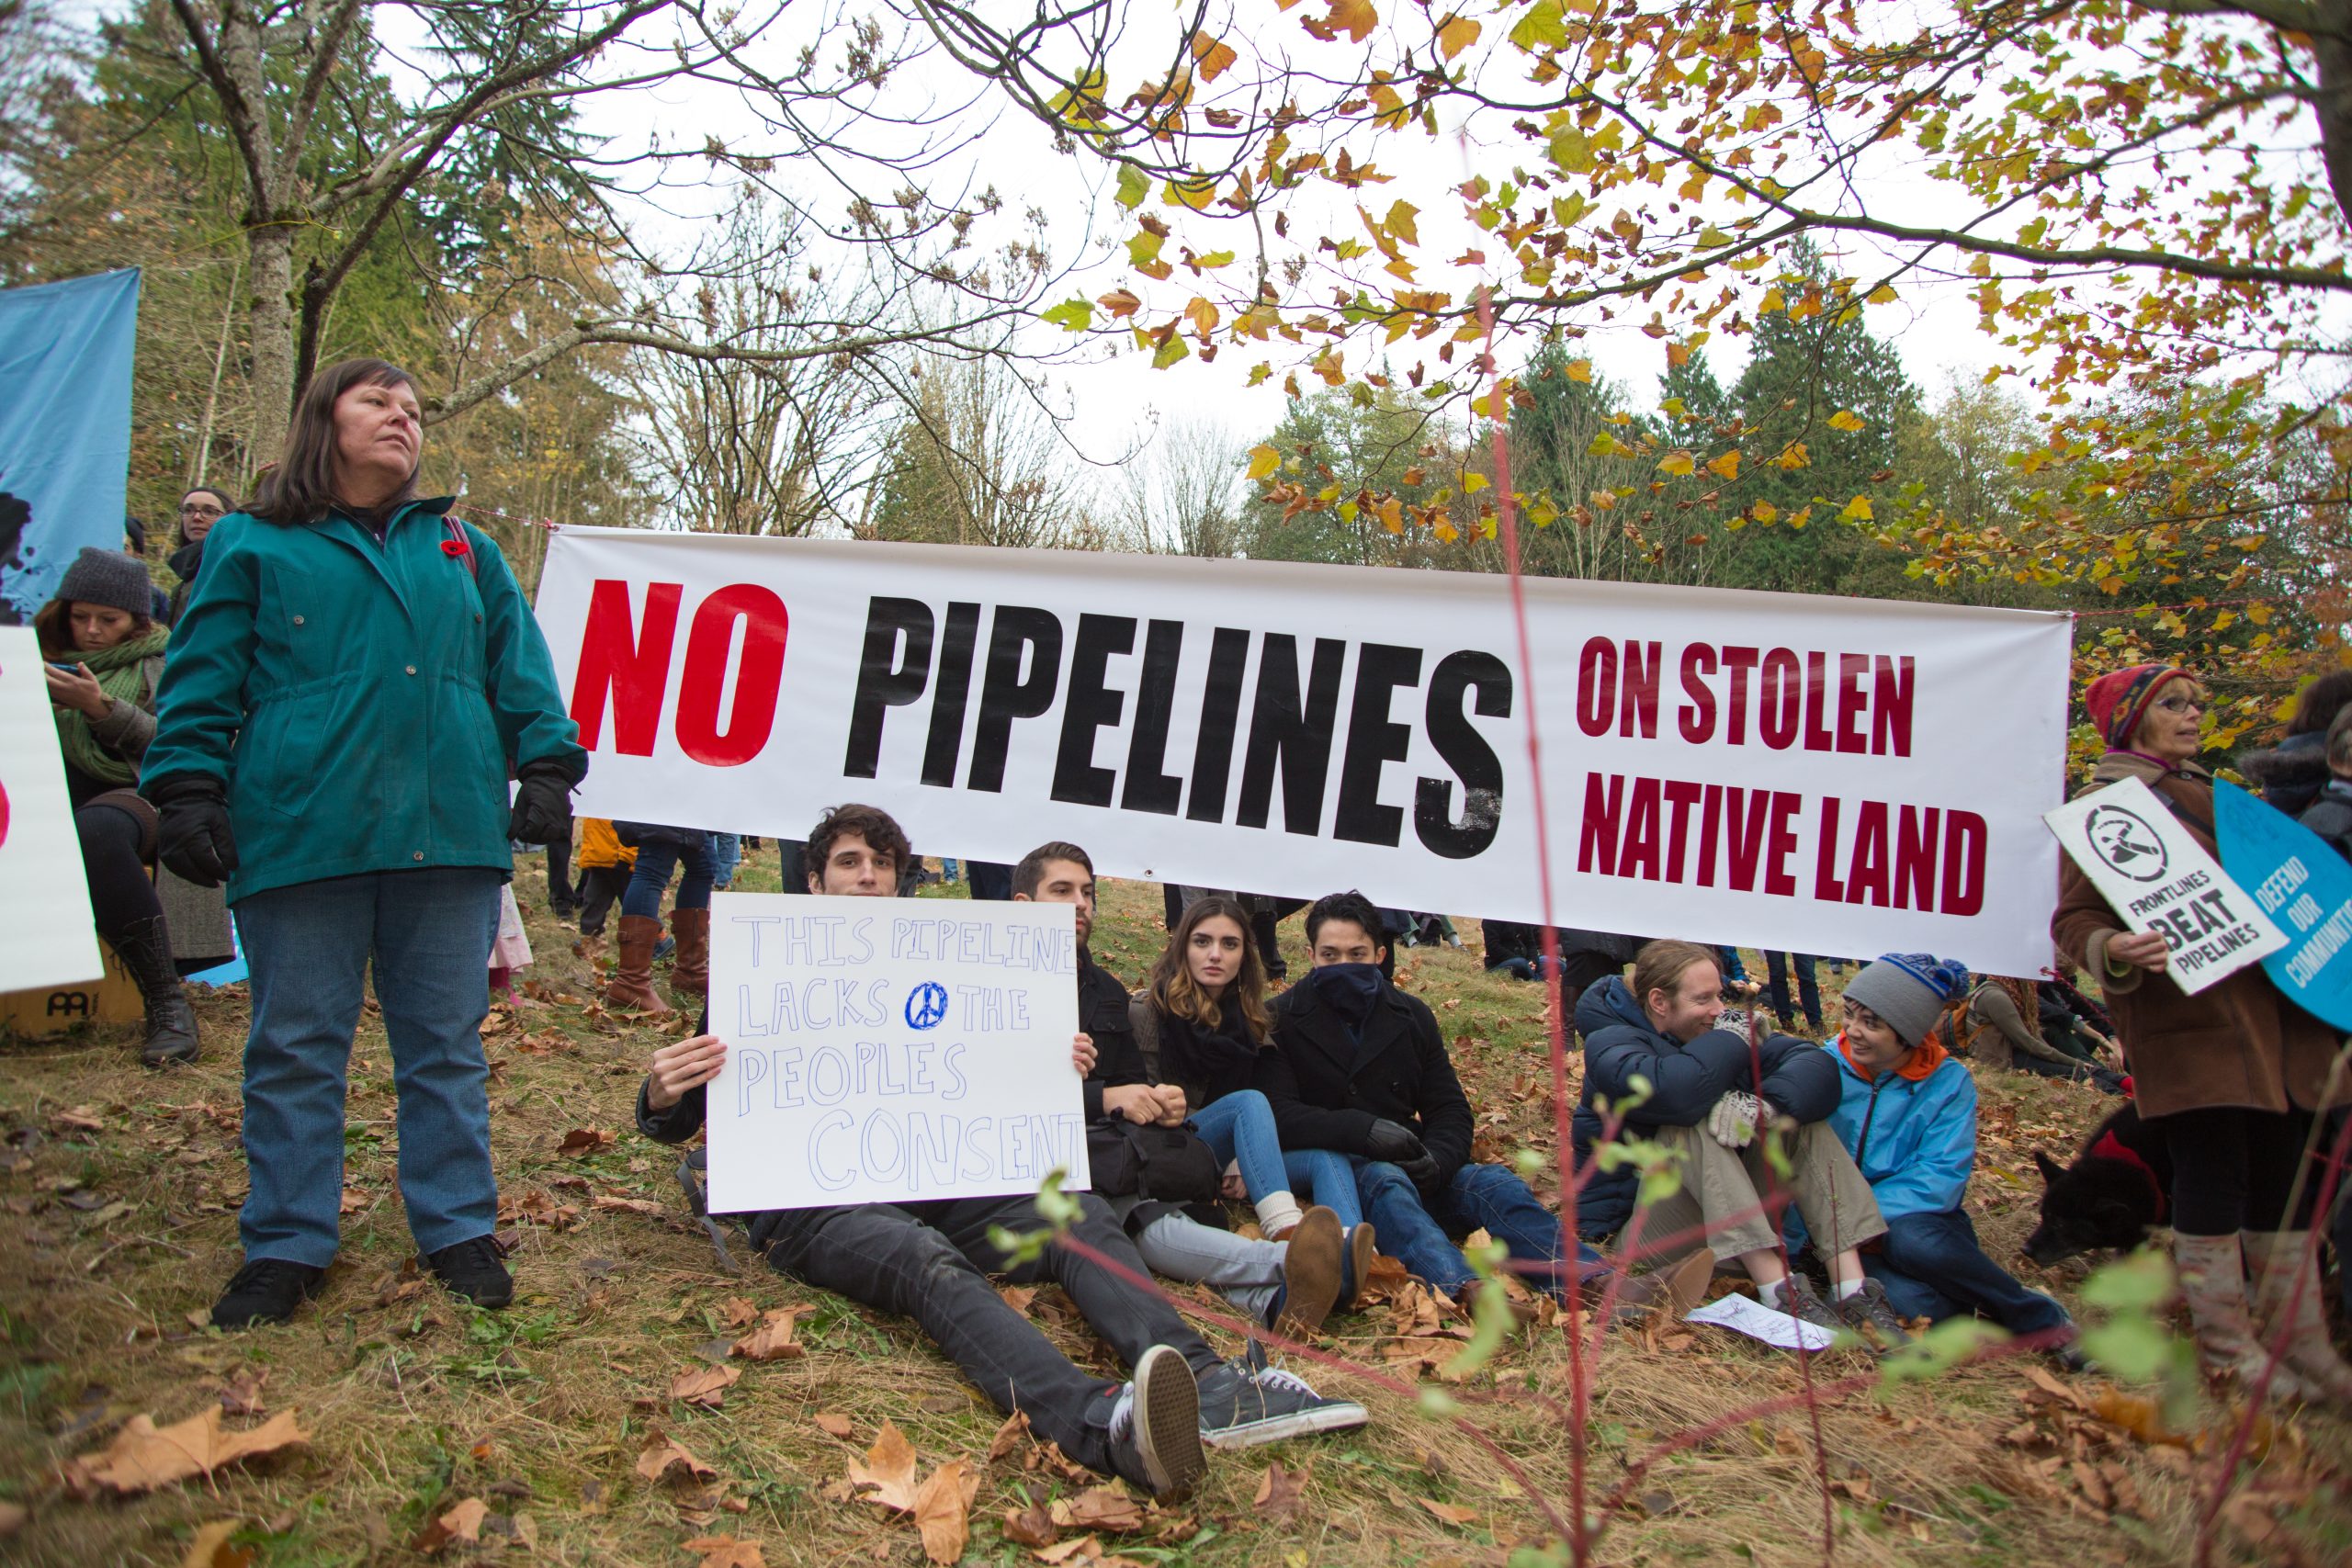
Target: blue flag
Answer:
pixel 2301 883
pixel 64 429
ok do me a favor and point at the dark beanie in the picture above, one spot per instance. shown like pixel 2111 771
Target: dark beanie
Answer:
pixel 108 578
pixel 2118 701
pixel 1909 990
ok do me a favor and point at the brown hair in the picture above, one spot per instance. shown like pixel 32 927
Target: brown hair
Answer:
pixel 1660 965
pixel 300 488
pixel 877 827
pixel 53 627
pixel 2316 705
pixel 1173 990
pixel 228 504
pixel 1032 869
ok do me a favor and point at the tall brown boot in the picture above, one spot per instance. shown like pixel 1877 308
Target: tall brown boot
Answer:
pixel 690 969
pixel 632 983
pixel 2212 1281
pixel 2277 1256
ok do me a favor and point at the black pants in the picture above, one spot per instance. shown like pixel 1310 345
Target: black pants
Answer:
pixel 990 881
pixel 600 888
pixel 2234 1169
pixel 2108 1079
pixel 1776 969
pixel 562 896
pixel 927 1260
pixel 120 893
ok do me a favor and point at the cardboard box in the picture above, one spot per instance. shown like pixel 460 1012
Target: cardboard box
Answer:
pixel 114 999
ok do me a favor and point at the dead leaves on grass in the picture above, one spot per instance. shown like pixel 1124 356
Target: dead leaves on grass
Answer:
pixel 143 1456
pixel 704 1386
pixel 582 1142
pixel 1282 1494
pixel 940 1505
pixel 663 1460
pixel 726 1551
pixel 773 1339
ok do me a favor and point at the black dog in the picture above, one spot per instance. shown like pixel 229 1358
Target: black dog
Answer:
pixel 2118 1187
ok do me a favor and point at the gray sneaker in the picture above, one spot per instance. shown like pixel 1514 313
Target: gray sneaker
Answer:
pixel 1242 1408
pixel 1870 1315
pixel 1155 1426
pixel 1802 1302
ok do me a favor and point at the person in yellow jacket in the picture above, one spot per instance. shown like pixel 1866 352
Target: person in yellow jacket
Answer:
pixel 605 867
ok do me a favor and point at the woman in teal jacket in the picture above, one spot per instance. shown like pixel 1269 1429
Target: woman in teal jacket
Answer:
pixel 344 698
pixel 1907 1114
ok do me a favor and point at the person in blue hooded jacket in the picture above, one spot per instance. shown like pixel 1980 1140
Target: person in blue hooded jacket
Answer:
pixel 355 680
pixel 1712 1099
pixel 1906 1113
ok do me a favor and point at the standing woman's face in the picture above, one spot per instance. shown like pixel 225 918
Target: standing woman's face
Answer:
pixel 199 509
pixel 98 626
pixel 2170 729
pixel 378 432
pixel 1214 955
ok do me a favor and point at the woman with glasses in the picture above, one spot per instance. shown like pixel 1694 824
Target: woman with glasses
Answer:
pixel 199 509
pixel 2234 1074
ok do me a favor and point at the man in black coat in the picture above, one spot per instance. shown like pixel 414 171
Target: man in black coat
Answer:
pixel 1361 1070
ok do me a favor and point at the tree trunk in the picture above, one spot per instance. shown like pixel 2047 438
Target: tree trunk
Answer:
pixel 2333 45
pixel 271 248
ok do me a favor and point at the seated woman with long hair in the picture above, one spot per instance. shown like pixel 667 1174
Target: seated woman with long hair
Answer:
pixel 1201 1024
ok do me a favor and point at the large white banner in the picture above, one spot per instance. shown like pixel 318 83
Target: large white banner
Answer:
pixel 46 934
pixel 890 1050
pixel 1838 776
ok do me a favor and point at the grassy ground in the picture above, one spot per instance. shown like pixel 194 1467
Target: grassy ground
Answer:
pixel 119 1191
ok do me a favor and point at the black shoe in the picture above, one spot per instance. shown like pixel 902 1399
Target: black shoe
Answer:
pixel 1155 1426
pixel 473 1273
pixel 1246 1404
pixel 145 949
pixel 267 1289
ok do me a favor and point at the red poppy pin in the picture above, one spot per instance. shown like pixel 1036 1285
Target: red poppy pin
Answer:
pixel 455 549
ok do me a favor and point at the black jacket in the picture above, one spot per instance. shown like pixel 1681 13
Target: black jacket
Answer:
pixel 1326 1089
pixel 1686 1079
pixel 2330 816
pixel 1102 1015
pixel 2291 773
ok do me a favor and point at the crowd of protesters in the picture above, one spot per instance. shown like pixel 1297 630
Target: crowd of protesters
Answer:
pixel 342 722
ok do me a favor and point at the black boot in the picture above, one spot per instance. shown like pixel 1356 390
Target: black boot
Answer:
pixel 145 949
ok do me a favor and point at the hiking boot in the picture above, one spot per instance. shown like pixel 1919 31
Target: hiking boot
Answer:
pixel 1312 1264
pixel 2212 1281
pixel 1155 1426
pixel 1873 1317
pixel 690 973
pixel 1241 1407
pixel 145 949
pixel 473 1271
pixel 1802 1302
pixel 267 1289
pixel 631 986
pixel 2277 1257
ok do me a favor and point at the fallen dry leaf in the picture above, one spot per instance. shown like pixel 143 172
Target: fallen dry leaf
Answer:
pixel 12 1516
pixel 1282 1494
pixel 943 1508
pixel 1032 1526
pixel 80 1119
pixel 582 1142
pixel 1100 1509
pixel 463 1523
pixel 143 1457
pixel 212 1548
pixel 661 1459
pixel 1451 1512
pixel 241 1395
pixel 1009 1437
pixel 726 1551
pixel 738 1312
pixel 888 1470
pixel 833 1423
pixel 617 1203
pixel 706 1386
pixel 772 1340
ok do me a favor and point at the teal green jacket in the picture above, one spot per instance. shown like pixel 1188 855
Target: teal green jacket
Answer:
pixel 366 704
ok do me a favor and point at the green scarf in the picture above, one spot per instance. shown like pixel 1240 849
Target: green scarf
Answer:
pixel 123 678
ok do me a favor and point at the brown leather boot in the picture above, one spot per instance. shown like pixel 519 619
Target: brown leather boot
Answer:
pixel 2277 1256
pixel 690 969
pixel 2212 1281
pixel 632 983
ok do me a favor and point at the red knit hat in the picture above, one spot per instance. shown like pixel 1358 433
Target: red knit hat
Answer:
pixel 2118 701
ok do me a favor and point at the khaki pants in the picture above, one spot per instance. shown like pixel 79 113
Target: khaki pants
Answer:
pixel 1718 1183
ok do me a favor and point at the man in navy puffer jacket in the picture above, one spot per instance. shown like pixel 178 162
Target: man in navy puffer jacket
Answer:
pixel 1712 1099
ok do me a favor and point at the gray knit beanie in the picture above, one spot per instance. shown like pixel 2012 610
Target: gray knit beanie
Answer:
pixel 1909 990
pixel 108 578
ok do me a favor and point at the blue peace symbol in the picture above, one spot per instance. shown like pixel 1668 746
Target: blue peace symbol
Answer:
pixel 926 1005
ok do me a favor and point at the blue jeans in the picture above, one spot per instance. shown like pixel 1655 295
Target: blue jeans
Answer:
pixel 651 878
pixel 1727 960
pixel 726 855
pixel 428 935
pixel 1419 1232
pixel 1240 1126
pixel 1933 1267
pixel 1321 1176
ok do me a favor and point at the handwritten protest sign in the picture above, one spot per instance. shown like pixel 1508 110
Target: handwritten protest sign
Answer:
pixel 2302 884
pixel 889 1050
pixel 47 937
pixel 2153 873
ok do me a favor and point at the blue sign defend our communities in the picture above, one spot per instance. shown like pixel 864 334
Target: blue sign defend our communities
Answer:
pixel 2301 883
pixel 64 429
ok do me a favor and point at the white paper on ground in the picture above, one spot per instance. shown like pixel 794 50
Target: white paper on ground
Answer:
pixel 1745 1314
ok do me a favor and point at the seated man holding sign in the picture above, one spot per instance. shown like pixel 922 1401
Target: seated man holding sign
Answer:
pixel 926 1259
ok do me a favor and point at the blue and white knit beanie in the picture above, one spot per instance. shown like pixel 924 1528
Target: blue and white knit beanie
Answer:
pixel 1909 990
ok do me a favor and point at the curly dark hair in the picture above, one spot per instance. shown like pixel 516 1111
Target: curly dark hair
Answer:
pixel 877 827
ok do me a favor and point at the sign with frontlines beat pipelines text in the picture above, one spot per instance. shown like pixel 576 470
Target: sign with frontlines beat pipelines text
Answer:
pixel 891 1050
pixel 1774 770
pixel 2302 882
pixel 2157 877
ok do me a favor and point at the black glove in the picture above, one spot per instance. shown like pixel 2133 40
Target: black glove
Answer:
pixel 1393 1142
pixel 1423 1171
pixel 542 804
pixel 194 837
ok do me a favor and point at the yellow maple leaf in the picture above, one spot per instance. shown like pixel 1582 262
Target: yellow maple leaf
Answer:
pixel 1857 510
pixel 1580 370
pixel 1676 463
pixel 1216 59
pixel 1845 419
pixel 1358 16
pixel 1457 34
pixel 1263 461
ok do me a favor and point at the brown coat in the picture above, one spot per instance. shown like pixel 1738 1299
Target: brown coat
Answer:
pixel 2238 1042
